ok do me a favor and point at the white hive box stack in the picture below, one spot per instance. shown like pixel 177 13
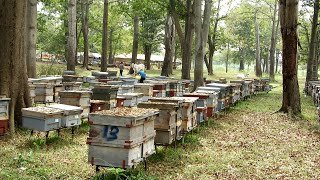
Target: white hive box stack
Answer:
pixel 71 114
pixel 77 98
pixel 121 137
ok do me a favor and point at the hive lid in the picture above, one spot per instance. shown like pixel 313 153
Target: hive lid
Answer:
pixel 66 107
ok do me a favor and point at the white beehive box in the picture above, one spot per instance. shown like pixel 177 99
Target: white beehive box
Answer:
pixel 71 114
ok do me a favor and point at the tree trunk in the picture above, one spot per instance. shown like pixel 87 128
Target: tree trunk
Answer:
pixel 289 21
pixel 173 48
pixel 267 62
pixel 168 42
pixel 85 29
pixel 312 73
pixel 186 40
pixel 147 56
pixel 206 62
pixel 273 41
pixel 72 16
pixel 241 68
pixel 277 62
pixel 227 61
pixel 104 60
pixel 258 60
pixel 31 38
pixel 135 44
pixel 202 31
pixel 13 69
pixel 111 46
pixel 212 41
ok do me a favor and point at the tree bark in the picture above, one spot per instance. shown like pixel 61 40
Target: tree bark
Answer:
pixel 147 56
pixel 85 29
pixel 135 44
pixel 104 60
pixel 168 42
pixel 277 62
pixel 72 13
pixel 241 68
pixel 212 40
pixel 202 31
pixel 289 22
pixel 186 39
pixel 13 69
pixel 258 60
pixel 227 60
pixel 273 41
pixel 31 38
pixel 111 47
pixel 312 73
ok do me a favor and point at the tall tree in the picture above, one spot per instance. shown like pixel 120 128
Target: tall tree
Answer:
pixel 289 23
pixel 31 37
pixel 72 19
pixel 273 40
pixel 258 56
pixel 169 40
pixel 212 39
pixel 202 31
pixel 13 70
pixel 135 44
pixel 85 30
pixel 312 65
pixel 186 37
pixel 104 61
pixel 111 46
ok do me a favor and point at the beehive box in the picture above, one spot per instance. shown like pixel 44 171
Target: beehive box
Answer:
pixel 4 108
pixel 105 92
pixel 77 98
pixel 41 118
pixel 70 78
pixel 203 98
pixel 189 106
pixel 120 156
pixel 52 80
pixel 146 89
pixel 99 105
pixel 201 114
pixel 4 126
pixel 71 114
pixel 72 86
pixel 121 137
pixel 167 123
pixel 178 101
pixel 125 89
pixel 56 90
pixel 132 99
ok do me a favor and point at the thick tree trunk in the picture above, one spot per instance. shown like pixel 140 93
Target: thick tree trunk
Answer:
pixel 111 47
pixel 135 44
pixel 206 62
pixel 168 42
pixel 72 17
pixel 202 31
pixel 13 69
pixel 31 38
pixel 104 60
pixel 258 60
pixel 273 41
pixel 289 21
pixel 147 56
pixel 85 29
pixel 312 73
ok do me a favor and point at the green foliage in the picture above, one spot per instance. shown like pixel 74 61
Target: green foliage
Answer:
pixel 44 70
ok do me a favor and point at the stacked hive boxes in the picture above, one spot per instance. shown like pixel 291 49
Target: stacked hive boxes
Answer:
pixel 131 99
pixel 72 86
pixel 201 106
pixel 212 101
pixel 105 94
pixel 168 123
pixel 71 114
pixel 77 98
pixel 43 93
pixel 159 89
pixel 146 89
pixel 225 89
pixel 4 115
pixel 189 114
pixel 242 87
pixel 121 137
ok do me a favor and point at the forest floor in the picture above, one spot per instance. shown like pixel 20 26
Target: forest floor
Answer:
pixel 250 141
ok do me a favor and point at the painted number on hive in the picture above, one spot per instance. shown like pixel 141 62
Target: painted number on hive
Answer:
pixel 110 133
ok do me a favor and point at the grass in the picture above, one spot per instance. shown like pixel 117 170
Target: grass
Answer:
pixel 250 142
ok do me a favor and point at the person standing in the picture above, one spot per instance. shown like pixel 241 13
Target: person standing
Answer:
pixel 142 75
pixel 121 67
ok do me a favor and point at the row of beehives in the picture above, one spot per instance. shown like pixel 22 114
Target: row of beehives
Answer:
pixel 123 137
pixel 312 89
